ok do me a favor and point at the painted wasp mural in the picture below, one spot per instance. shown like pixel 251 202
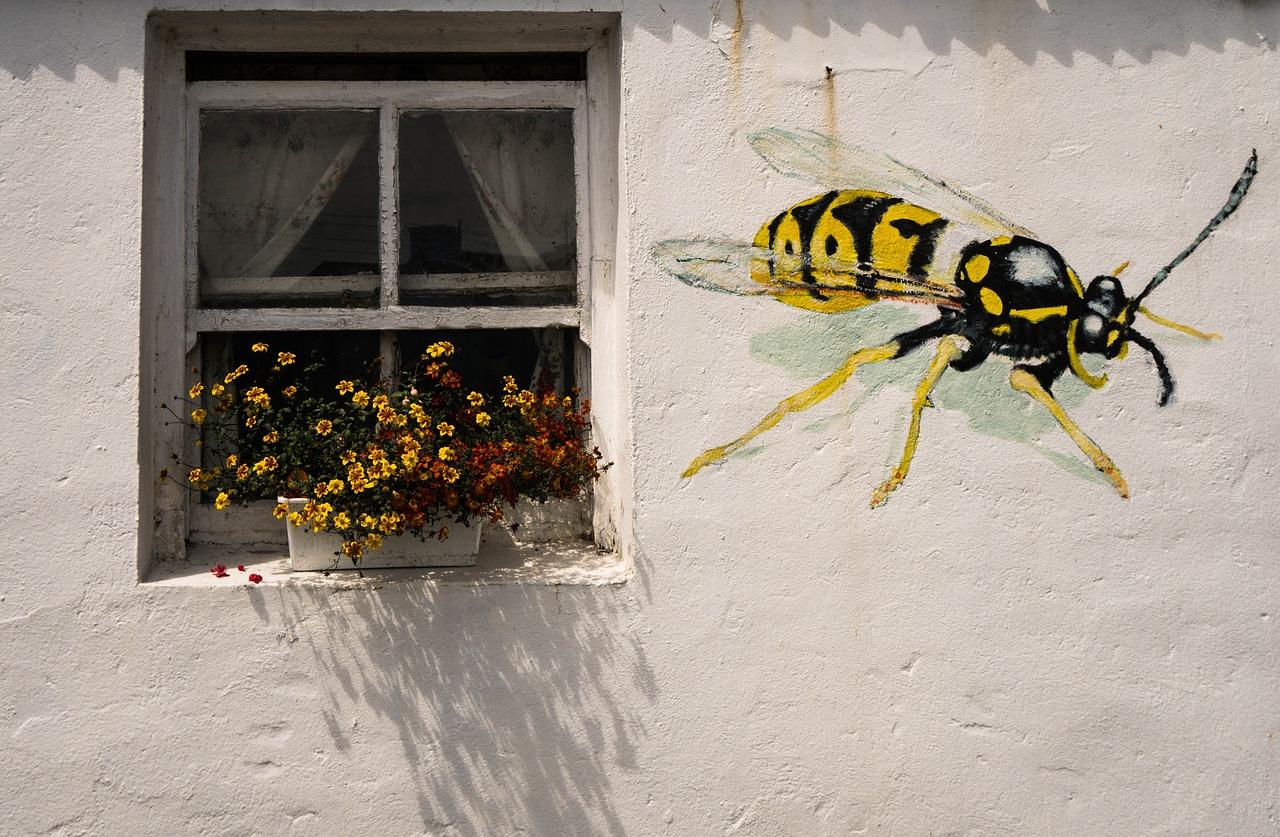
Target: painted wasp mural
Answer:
pixel 904 236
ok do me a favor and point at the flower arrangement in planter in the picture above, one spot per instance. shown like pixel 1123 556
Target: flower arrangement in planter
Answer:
pixel 361 464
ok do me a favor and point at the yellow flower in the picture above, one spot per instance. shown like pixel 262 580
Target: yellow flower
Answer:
pixel 341 522
pixel 280 511
pixel 194 476
pixel 320 489
pixel 445 428
pixel 222 501
pixel 295 518
pixel 259 347
pixel 250 421
pixel 258 396
pixel 195 390
pixel 345 387
pixel 352 549
pixel 451 475
pixel 271 438
pixel 482 419
pixel 235 373
pixel 265 465
pixel 475 399
pixel 360 399
pixel 368 521
pixel 445 454
pixel 290 391
pixel 286 358
pixel 348 457
pixel 509 401
pixel 335 486
pixel 242 472
pixel 232 460
pixel 509 384
pixel 324 427
pixel 441 349
pixel 198 416
pixel 373 540
pixel 218 389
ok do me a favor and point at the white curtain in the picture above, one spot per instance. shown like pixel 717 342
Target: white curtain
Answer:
pixel 521 194
pixel 265 178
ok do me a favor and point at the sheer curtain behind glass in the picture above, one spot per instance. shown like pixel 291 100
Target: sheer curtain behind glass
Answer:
pixel 521 167
pixel 266 177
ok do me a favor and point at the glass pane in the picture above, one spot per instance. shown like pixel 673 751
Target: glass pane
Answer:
pixel 374 66
pixel 484 356
pixel 289 195
pixel 322 359
pixel 487 208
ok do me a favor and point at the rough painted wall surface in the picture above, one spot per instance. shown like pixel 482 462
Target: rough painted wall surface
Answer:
pixel 1005 648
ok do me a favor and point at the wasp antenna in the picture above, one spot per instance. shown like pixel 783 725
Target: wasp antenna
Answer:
pixel 1120 268
pixel 1162 368
pixel 1238 192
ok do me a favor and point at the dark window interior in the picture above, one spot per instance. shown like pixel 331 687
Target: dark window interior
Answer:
pixel 387 66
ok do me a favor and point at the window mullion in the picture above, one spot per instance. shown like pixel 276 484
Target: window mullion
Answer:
pixel 389 204
pixel 389 229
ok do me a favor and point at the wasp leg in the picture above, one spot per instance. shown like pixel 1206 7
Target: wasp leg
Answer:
pixel 1024 379
pixel 895 348
pixel 948 351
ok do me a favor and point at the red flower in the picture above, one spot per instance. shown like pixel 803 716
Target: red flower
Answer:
pixel 255 578
pixel 219 571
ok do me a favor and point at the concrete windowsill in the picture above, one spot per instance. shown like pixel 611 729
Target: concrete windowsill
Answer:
pixel 503 560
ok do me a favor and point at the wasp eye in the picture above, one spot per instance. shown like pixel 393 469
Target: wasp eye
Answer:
pixel 1092 329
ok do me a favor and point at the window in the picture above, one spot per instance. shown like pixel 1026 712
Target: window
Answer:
pixel 361 204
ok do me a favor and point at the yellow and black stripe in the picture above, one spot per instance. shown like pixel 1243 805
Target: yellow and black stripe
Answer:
pixel 848 239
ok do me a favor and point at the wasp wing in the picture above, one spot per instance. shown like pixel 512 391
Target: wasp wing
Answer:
pixel 826 161
pixel 741 269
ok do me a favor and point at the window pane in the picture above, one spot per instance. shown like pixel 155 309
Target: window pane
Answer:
pixel 487 208
pixel 484 356
pixel 367 66
pixel 322 359
pixel 536 358
pixel 288 194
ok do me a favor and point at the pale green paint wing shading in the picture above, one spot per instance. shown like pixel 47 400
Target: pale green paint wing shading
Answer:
pixel 813 346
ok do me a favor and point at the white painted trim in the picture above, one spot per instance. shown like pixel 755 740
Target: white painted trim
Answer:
pixel 171 148
pixel 394 31
pixel 515 281
pixel 581 212
pixel 399 318
pixel 389 204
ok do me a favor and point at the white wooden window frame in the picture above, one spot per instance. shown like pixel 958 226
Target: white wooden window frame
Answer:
pixel 390 100
pixel 173 318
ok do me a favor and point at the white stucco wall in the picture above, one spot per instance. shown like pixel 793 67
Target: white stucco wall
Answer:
pixel 1005 648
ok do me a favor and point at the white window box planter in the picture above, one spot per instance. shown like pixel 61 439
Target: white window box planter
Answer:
pixel 312 551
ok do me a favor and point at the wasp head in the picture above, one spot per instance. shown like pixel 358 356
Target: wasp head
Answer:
pixel 1102 328
pixel 1106 329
